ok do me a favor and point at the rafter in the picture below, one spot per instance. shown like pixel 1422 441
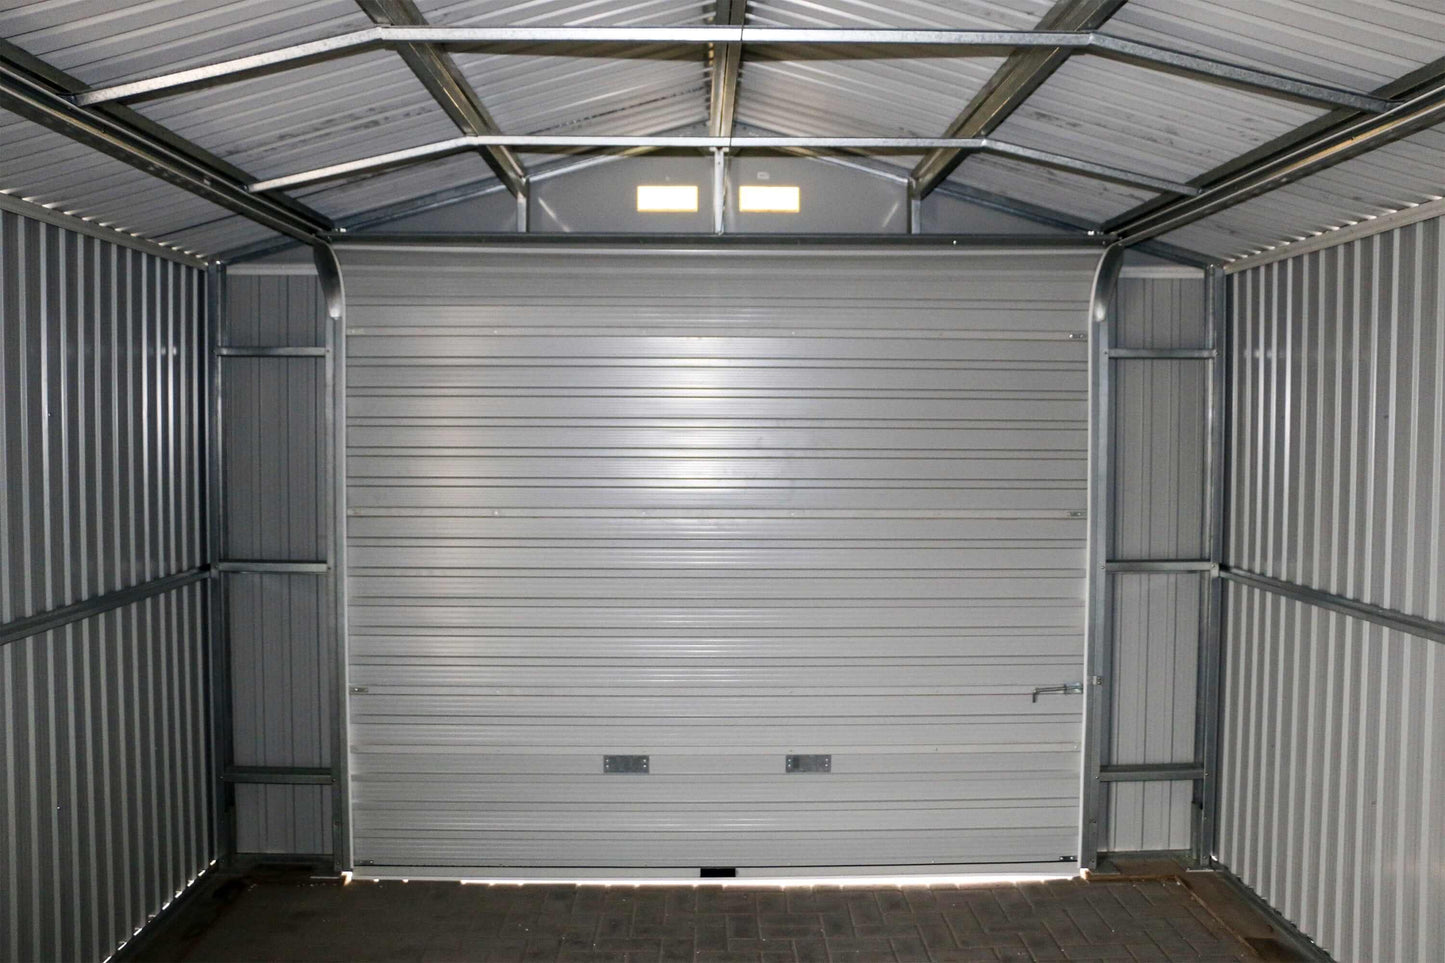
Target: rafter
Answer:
pixel 726 64
pixel 1314 154
pixel 439 74
pixel 1020 75
pixel 37 96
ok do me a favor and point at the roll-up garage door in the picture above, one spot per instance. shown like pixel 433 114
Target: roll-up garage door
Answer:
pixel 748 558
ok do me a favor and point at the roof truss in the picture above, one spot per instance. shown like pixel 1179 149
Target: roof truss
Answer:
pixel 1362 121
pixel 439 74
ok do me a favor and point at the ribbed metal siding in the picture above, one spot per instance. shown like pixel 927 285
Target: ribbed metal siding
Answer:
pixel 105 766
pixel 1338 432
pixel 1333 791
pixel 1160 447
pixel 283 653
pixel 100 425
pixel 1333 775
pixel 105 776
pixel 714 509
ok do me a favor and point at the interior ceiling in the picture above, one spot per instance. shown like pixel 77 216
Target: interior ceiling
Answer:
pixel 1155 123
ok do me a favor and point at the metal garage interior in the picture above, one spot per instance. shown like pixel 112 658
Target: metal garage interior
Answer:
pixel 792 452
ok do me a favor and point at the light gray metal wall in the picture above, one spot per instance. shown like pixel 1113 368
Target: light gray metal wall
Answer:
pixel 105 762
pixel 283 650
pixel 714 508
pixel 1160 450
pixel 1333 785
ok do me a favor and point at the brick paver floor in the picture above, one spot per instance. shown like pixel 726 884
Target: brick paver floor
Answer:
pixel 1104 919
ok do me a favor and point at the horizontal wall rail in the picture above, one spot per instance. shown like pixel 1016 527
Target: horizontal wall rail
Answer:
pixel 271 351
pixel 1152 772
pixel 256 567
pixel 1389 618
pixel 1163 354
pixel 1160 565
pixel 66 614
pixel 279 775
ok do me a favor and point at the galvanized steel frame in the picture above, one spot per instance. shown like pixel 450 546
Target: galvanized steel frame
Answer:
pixel 635 41
pixel 1389 618
pixel 726 66
pixel 986 145
pixel 1209 688
pixel 333 507
pixel 437 72
pixel 1005 92
pixel 222 714
pixel 1314 154
pixel 36 99
pixel 1203 772
pixel 1098 646
pixel 228 774
pixel 66 614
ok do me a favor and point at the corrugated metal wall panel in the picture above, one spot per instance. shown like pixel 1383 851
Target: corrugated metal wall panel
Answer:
pixel 1160 451
pixel 1339 435
pixel 275 473
pixel 283 651
pixel 1333 780
pixel 1160 442
pixel 1333 789
pixel 101 416
pixel 105 776
pixel 714 510
pixel 283 668
pixel 1156 659
pixel 105 770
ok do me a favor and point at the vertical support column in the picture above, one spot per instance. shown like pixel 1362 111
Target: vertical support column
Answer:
pixel 333 507
pixel 719 189
pixel 524 200
pixel 915 208
pixel 1210 707
pixel 223 805
pixel 1099 646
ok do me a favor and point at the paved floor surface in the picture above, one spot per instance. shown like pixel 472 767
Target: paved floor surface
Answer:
pixel 1157 919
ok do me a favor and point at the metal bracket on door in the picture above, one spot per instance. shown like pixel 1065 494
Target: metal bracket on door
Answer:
pixel 1068 688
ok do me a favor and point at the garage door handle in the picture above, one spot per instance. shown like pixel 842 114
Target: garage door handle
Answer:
pixel 1068 688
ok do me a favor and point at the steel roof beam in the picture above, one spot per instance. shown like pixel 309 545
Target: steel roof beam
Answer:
pixel 636 41
pixel 1316 153
pixel 1415 82
pixel 1020 75
pixel 442 78
pixel 443 148
pixel 28 96
pixel 727 60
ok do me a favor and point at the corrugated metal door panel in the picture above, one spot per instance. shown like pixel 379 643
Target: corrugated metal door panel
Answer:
pixel 714 510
